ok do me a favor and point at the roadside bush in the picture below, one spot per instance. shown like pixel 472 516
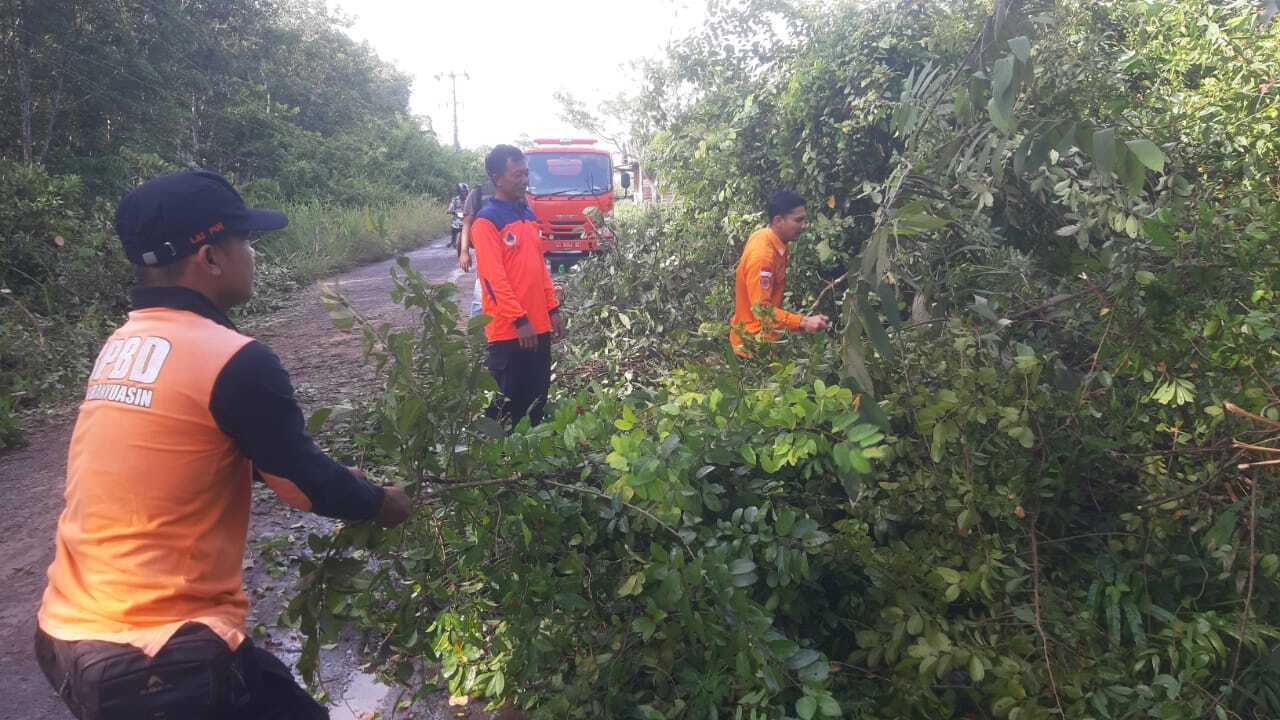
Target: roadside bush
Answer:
pixel 323 238
pixel 62 278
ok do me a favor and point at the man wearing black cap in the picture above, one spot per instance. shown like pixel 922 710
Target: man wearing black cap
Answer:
pixel 144 613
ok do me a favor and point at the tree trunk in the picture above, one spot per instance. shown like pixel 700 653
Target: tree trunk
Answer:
pixel 195 133
pixel 22 63
pixel 54 108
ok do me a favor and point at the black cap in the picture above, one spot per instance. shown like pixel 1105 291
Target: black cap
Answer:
pixel 168 218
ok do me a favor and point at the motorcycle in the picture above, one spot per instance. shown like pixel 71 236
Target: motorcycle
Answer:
pixel 455 229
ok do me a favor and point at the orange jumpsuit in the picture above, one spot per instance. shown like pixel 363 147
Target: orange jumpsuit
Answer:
pixel 759 283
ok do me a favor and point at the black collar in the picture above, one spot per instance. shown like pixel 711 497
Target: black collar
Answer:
pixel 179 298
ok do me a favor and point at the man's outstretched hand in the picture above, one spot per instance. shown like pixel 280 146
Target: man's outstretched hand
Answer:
pixel 395 507
pixel 814 323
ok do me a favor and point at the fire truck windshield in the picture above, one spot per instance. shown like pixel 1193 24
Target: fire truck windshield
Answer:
pixel 569 173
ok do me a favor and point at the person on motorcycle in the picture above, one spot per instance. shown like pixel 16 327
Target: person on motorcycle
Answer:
pixel 455 211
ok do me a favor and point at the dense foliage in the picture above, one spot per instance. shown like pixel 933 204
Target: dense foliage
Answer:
pixel 1020 482
pixel 96 97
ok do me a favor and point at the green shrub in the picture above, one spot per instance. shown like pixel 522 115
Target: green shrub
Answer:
pixel 62 277
pixel 323 238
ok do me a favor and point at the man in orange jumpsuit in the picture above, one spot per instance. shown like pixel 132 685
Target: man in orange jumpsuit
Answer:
pixel 761 278
pixel 516 290
pixel 144 613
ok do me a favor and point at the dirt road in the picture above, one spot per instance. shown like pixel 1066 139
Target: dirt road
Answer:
pixel 327 368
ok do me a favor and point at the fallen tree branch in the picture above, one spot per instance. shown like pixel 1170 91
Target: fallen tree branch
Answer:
pixel 1257 448
pixel 830 286
pixel 1248 596
pixel 624 503
pixel 1035 605
pixel 35 322
pixel 1246 466
pixel 444 486
pixel 1237 410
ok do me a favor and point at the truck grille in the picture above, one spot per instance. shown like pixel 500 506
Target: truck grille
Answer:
pixel 566 231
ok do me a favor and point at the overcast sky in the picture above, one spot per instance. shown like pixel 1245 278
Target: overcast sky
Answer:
pixel 516 55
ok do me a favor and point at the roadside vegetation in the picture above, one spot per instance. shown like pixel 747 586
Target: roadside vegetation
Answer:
pixel 96 97
pixel 1026 478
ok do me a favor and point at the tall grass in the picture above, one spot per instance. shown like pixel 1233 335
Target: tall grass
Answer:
pixel 323 238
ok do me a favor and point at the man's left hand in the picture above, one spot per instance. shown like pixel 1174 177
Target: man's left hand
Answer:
pixel 557 326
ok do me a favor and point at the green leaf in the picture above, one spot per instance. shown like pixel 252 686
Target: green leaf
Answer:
pixel 828 706
pixel 858 461
pixel 490 428
pixel 814 673
pixel 855 365
pixel 1021 48
pixel 317 420
pixel 977 670
pixel 783 648
pixel 632 585
pixel 999 116
pixel 948 575
pixel 628 419
pixel 806 707
pixel 786 520
pixel 1002 78
pixel 824 250
pixel 644 627
pixel 879 338
pixel 1222 530
pixel 1104 152
pixel 672 588
pixel 742 566
pixel 497 684
pixel 1134 175
pixel 803 658
pixel 1144 277
pixel 1148 153
pixel 889 304
pixel 915 624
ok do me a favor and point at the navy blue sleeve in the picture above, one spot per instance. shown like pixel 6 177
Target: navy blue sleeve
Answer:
pixel 253 402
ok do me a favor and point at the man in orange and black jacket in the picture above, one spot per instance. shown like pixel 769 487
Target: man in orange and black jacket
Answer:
pixel 761 277
pixel 144 613
pixel 517 292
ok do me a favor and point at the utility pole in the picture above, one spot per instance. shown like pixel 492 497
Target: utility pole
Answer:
pixel 453 80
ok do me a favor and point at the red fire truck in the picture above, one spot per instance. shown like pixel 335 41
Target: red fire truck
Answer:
pixel 565 178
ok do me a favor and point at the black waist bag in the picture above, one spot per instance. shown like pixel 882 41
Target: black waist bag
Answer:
pixel 193 677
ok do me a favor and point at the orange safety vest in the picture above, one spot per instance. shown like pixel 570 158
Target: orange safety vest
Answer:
pixel 760 281
pixel 157 495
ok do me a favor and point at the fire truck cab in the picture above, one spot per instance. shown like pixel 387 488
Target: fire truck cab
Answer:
pixel 565 178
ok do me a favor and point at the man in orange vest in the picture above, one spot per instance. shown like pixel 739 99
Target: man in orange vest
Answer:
pixel 761 277
pixel 144 613
pixel 516 289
